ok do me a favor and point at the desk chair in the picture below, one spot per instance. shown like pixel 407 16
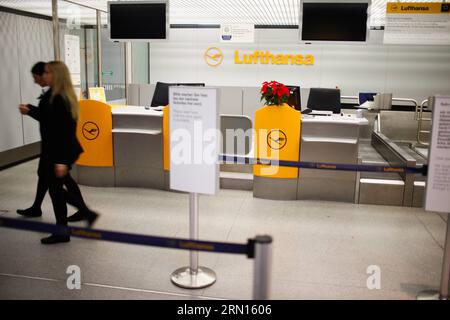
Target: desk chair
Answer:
pixel 324 99
pixel 294 97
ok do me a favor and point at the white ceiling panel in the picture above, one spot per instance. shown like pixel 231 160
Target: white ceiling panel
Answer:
pixel 259 12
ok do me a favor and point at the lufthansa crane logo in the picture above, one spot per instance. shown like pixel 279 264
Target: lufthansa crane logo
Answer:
pixel 90 130
pixel 213 56
pixel 276 139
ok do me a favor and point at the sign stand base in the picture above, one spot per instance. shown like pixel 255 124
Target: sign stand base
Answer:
pixel 428 295
pixel 185 278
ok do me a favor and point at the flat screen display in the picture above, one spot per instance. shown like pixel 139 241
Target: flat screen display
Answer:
pixel 137 21
pixel 334 21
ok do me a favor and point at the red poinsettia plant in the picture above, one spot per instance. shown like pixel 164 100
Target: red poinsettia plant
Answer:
pixel 274 93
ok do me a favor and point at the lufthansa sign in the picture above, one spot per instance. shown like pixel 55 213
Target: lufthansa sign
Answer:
pixel 214 57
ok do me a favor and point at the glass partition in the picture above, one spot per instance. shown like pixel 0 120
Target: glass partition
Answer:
pixel 78 44
pixel 140 62
pixel 113 64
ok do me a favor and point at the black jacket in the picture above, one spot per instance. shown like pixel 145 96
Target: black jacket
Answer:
pixel 58 129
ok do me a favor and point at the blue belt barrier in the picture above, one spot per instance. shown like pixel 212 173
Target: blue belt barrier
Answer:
pixel 95 234
pixel 322 165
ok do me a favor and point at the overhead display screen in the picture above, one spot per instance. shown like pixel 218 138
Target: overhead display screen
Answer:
pixel 138 21
pixel 334 21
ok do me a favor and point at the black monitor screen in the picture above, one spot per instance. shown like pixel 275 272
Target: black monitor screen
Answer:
pixel 334 21
pixel 161 94
pixel 137 21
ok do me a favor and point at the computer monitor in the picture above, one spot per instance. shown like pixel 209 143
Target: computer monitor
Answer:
pixel 161 95
pixel 322 20
pixel 325 99
pixel 294 98
pixel 366 96
pixel 144 20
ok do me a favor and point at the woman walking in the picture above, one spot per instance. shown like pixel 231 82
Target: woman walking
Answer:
pixel 60 146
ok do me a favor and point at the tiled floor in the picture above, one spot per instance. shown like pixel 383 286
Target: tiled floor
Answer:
pixel 321 249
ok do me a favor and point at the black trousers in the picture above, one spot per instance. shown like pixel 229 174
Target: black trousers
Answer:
pixel 58 194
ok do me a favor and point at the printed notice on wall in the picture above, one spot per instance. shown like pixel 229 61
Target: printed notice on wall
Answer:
pixel 194 152
pixel 241 33
pixel 419 23
pixel 438 182
pixel 72 57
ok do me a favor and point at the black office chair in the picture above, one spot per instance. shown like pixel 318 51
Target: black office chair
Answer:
pixel 294 97
pixel 161 94
pixel 325 99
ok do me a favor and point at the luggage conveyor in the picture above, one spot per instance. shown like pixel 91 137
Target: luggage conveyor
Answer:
pixel 393 143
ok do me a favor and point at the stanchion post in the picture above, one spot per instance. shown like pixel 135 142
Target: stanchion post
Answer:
pixel 193 229
pixel 444 291
pixel 193 277
pixel 262 268
pixel 445 276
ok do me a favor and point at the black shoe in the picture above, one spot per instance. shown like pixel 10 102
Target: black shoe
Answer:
pixel 91 217
pixel 55 239
pixel 77 216
pixel 30 212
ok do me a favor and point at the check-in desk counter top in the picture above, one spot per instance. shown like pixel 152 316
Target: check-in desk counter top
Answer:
pixel 329 139
pixel 138 147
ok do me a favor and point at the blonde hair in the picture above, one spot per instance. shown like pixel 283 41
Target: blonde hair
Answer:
pixel 62 85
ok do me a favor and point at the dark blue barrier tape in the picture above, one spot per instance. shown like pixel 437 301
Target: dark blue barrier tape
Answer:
pixel 175 243
pixel 322 165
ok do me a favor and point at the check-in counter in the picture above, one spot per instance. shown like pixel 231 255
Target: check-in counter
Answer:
pixel 123 146
pixel 126 146
pixel 138 147
pixel 329 139
pixel 320 138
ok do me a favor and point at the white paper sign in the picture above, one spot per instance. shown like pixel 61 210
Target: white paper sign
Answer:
pixel 72 57
pixel 417 23
pixel 241 33
pixel 438 182
pixel 194 151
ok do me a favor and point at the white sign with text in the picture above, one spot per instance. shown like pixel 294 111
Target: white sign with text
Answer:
pixel 417 23
pixel 194 145
pixel 438 182
pixel 240 33
pixel 72 57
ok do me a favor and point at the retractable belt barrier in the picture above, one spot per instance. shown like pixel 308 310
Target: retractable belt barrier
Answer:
pixel 94 234
pixel 323 166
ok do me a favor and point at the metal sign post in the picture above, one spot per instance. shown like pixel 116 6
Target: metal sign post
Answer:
pixel 438 184
pixel 443 293
pixel 193 277
pixel 194 121
pixel 445 276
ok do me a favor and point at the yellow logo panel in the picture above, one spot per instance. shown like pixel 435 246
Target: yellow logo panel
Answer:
pixel 277 130
pixel 417 7
pixel 94 133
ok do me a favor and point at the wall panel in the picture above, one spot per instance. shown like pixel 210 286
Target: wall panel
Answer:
pixel 29 50
pixel 406 71
pixel 11 132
